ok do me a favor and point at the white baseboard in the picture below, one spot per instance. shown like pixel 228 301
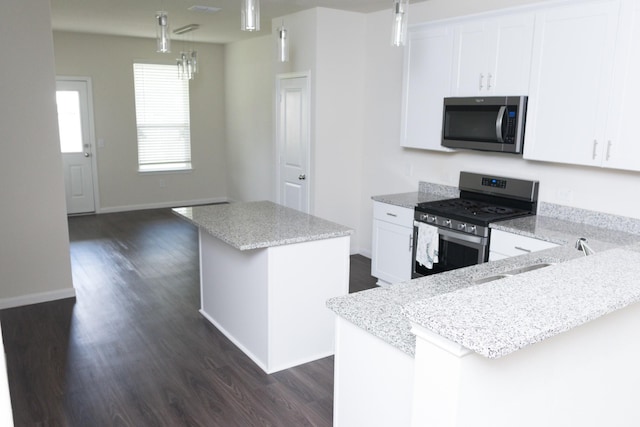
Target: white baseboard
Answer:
pixel 37 298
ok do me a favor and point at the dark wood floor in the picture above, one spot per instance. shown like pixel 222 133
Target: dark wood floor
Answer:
pixel 132 349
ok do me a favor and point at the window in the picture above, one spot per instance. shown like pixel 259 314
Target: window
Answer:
pixel 162 117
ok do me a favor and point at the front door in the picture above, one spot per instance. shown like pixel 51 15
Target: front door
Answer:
pixel 72 98
pixel 293 136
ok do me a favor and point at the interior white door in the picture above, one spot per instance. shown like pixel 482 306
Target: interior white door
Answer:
pixel 293 136
pixel 72 98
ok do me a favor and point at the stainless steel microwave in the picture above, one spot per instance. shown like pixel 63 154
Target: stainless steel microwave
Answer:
pixel 494 123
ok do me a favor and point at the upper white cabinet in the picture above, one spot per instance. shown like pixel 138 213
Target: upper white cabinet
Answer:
pixel 621 149
pixel 427 80
pixel 493 56
pixel 571 82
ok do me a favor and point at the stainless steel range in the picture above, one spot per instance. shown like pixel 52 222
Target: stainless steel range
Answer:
pixel 463 223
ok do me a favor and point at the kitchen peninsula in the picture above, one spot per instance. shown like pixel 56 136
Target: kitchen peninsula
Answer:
pixel 546 338
pixel 266 272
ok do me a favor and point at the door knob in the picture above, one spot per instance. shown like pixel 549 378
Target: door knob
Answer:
pixel 87 154
pixel 302 177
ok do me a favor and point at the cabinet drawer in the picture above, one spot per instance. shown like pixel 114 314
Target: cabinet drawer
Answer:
pixel 393 214
pixel 511 244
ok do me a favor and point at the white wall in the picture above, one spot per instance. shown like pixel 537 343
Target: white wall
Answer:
pixel 388 168
pixel 249 86
pixel 34 241
pixel 339 117
pixel 108 60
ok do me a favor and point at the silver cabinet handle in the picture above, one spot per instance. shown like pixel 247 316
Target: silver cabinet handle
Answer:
pixel 595 146
pixel 392 214
pixel 411 242
pixel 489 81
pixel 481 79
pixel 608 150
pixel 87 154
pixel 302 177
pixel 499 118
pixel 522 249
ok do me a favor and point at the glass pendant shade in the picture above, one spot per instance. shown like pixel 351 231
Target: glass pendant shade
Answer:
pixel 188 65
pixel 162 33
pixel 250 15
pixel 283 45
pixel 399 24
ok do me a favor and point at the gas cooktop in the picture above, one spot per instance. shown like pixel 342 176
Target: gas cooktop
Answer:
pixel 472 211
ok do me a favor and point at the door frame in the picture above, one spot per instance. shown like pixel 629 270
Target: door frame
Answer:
pixel 279 149
pixel 92 136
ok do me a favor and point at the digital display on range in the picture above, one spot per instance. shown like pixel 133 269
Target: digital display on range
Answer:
pixel 495 183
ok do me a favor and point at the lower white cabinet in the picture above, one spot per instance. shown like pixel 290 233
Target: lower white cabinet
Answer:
pixel 392 242
pixel 505 245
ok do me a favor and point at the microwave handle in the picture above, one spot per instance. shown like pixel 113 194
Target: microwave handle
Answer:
pixel 499 119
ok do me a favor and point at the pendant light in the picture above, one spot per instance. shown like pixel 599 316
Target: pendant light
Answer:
pixel 250 15
pixel 283 44
pixel 399 26
pixel 162 32
pixel 188 60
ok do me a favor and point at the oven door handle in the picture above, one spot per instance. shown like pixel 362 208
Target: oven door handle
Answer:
pixel 453 236
pixel 499 119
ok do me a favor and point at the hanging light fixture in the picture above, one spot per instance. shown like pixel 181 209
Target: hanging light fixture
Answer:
pixel 188 60
pixel 250 15
pixel 399 26
pixel 162 32
pixel 283 44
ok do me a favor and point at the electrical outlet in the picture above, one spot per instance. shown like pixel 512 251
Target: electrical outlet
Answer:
pixel 162 183
pixel 100 142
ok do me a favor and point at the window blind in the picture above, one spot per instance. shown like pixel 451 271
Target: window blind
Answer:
pixel 162 118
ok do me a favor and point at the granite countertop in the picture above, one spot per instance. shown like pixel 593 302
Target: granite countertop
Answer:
pixel 491 318
pixel 255 225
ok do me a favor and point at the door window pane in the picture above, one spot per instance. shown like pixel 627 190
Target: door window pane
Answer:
pixel 69 122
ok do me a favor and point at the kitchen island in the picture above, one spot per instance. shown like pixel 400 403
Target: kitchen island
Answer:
pixel 265 274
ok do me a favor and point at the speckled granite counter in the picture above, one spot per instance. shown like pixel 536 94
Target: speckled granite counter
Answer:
pixel 494 320
pixel 428 193
pixel 255 225
pixel 385 312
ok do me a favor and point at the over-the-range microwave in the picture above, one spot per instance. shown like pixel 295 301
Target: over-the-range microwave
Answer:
pixel 494 123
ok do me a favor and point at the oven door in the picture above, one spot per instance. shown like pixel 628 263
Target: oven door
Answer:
pixel 456 250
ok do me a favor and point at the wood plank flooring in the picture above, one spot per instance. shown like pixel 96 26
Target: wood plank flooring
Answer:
pixel 132 349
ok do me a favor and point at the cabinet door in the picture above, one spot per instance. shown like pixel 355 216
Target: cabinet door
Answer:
pixel 509 54
pixel 391 252
pixel 504 245
pixel 471 59
pixel 493 56
pixel 622 150
pixel 427 80
pixel 571 77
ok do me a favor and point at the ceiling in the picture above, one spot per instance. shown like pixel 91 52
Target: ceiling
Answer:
pixel 137 17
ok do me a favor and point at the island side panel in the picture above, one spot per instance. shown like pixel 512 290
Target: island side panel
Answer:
pixel 302 277
pixel 372 380
pixel 234 294
pixel 586 377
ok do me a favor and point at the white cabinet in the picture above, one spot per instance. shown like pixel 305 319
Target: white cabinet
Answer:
pixel 493 56
pixel 621 149
pixel 571 82
pixel 427 80
pixel 392 242
pixel 504 245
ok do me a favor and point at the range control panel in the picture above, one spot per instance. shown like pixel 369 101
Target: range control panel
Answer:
pixel 494 182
